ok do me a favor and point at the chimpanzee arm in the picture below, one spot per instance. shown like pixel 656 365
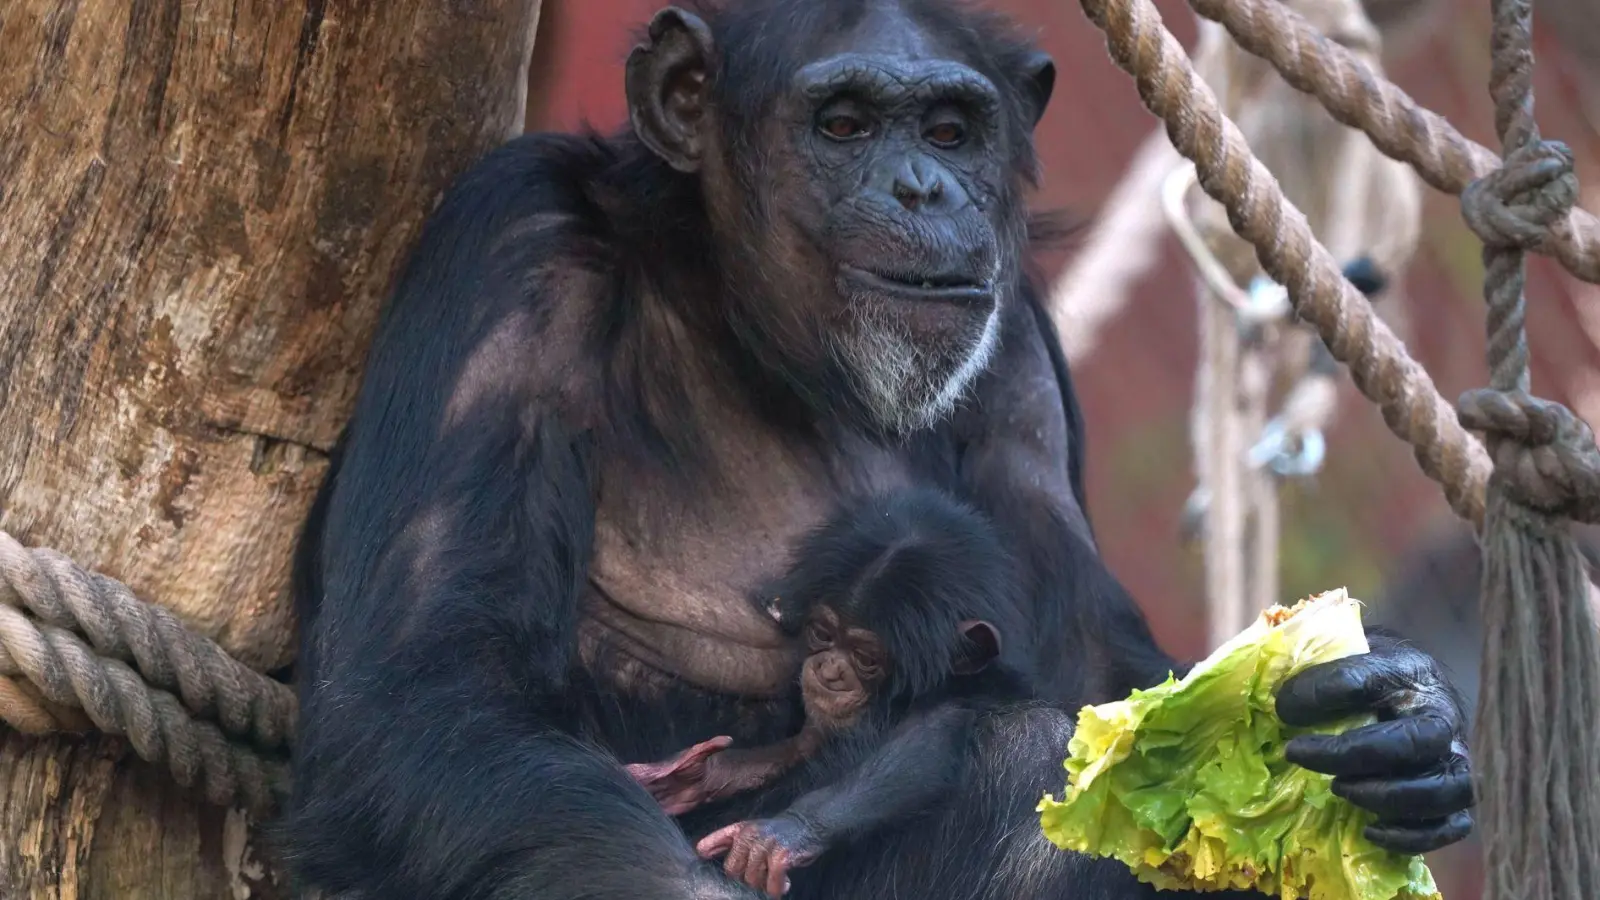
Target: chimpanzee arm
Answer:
pixel 1410 769
pixel 919 766
pixel 437 755
pixel 708 772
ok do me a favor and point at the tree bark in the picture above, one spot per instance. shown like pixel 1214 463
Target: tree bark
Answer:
pixel 201 205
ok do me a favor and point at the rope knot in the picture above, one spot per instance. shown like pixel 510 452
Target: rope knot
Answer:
pixel 1513 207
pixel 1544 456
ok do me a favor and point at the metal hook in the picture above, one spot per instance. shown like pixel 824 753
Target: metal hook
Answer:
pixel 1289 456
pixel 1266 301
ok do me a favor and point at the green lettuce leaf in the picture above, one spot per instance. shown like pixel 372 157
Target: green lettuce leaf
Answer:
pixel 1186 783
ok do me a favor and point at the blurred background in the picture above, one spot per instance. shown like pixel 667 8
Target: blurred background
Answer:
pixel 1369 520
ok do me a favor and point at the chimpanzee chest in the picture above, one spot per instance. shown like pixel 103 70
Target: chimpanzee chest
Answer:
pixel 677 580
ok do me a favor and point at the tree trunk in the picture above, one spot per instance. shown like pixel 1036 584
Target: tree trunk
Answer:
pixel 201 206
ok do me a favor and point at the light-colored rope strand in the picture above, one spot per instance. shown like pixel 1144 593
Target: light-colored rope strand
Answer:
pixel 25 709
pixel 1356 96
pixel 1412 408
pixel 57 591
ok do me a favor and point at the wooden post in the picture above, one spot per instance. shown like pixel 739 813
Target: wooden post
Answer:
pixel 201 206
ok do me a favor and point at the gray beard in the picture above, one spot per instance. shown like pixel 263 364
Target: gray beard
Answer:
pixel 905 387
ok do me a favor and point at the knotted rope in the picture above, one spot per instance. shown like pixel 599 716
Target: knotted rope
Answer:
pixel 1383 372
pixel 45 598
pixel 1540 709
pixel 1356 96
pixel 1538 778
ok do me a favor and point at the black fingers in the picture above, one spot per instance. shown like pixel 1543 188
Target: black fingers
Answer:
pixel 1328 691
pixel 1395 680
pixel 1411 744
pixel 1420 837
pixel 1427 797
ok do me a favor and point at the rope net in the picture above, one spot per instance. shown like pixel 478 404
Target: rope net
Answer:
pixel 1538 781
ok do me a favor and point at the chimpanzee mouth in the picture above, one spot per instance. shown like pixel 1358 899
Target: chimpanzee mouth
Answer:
pixel 930 286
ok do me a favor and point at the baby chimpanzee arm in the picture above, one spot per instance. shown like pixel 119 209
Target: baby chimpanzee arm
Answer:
pixel 919 766
pixel 708 772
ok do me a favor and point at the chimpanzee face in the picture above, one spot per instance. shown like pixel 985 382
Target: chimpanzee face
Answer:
pixel 898 201
pixel 866 205
pixel 845 667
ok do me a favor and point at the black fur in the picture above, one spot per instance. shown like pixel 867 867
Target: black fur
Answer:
pixel 910 567
pixel 451 743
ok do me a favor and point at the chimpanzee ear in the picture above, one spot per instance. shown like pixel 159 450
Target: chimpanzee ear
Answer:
pixel 982 647
pixel 1039 86
pixel 666 84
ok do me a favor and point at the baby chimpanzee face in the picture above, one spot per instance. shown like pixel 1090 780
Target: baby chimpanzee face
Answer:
pixel 845 665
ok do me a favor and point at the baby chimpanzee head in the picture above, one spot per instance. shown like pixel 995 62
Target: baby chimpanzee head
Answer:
pixel 894 596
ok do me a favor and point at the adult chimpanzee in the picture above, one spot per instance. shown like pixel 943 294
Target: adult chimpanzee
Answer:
pixel 619 376
pixel 899 599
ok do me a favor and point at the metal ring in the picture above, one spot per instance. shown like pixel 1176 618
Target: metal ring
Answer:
pixel 1275 450
pixel 1313 450
pixel 1266 301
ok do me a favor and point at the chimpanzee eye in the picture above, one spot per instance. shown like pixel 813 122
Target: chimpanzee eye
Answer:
pixel 866 664
pixel 946 134
pixel 843 127
pixel 817 636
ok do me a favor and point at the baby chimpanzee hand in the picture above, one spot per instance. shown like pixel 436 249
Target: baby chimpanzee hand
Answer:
pixel 681 783
pixel 1411 766
pixel 761 852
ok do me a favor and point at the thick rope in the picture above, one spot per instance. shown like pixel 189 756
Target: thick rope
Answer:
pixel 52 680
pixel 1229 173
pixel 1356 96
pixel 119 702
pixel 1538 721
pixel 1544 676
pixel 25 709
pixel 120 626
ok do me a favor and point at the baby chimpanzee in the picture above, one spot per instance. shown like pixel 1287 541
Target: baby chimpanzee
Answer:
pixel 902 601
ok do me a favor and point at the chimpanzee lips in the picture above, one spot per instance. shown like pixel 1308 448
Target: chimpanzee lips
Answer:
pixel 919 286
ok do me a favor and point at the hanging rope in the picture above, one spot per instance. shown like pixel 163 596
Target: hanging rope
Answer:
pixel 1362 206
pixel 1356 96
pixel 1378 363
pixel 1539 712
pixel 1538 720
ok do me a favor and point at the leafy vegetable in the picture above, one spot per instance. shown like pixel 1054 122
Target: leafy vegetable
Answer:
pixel 1186 783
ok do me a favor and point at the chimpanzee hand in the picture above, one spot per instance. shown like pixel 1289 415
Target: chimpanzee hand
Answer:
pixel 1411 766
pixel 761 852
pixel 681 783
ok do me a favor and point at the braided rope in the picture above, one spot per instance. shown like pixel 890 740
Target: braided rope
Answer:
pixel 1356 96
pixel 51 679
pixel 120 626
pixel 1412 408
pixel 1538 782
pixel 25 709
pixel 119 702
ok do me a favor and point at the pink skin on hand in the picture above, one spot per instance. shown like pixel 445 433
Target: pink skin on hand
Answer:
pixel 680 784
pixel 761 853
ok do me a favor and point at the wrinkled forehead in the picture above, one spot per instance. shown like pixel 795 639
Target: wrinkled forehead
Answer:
pixel 787 51
pixel 885 37
pixel 893 79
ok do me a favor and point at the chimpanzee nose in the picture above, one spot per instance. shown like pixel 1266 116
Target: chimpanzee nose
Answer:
pixel 833 673
pixel 921 184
